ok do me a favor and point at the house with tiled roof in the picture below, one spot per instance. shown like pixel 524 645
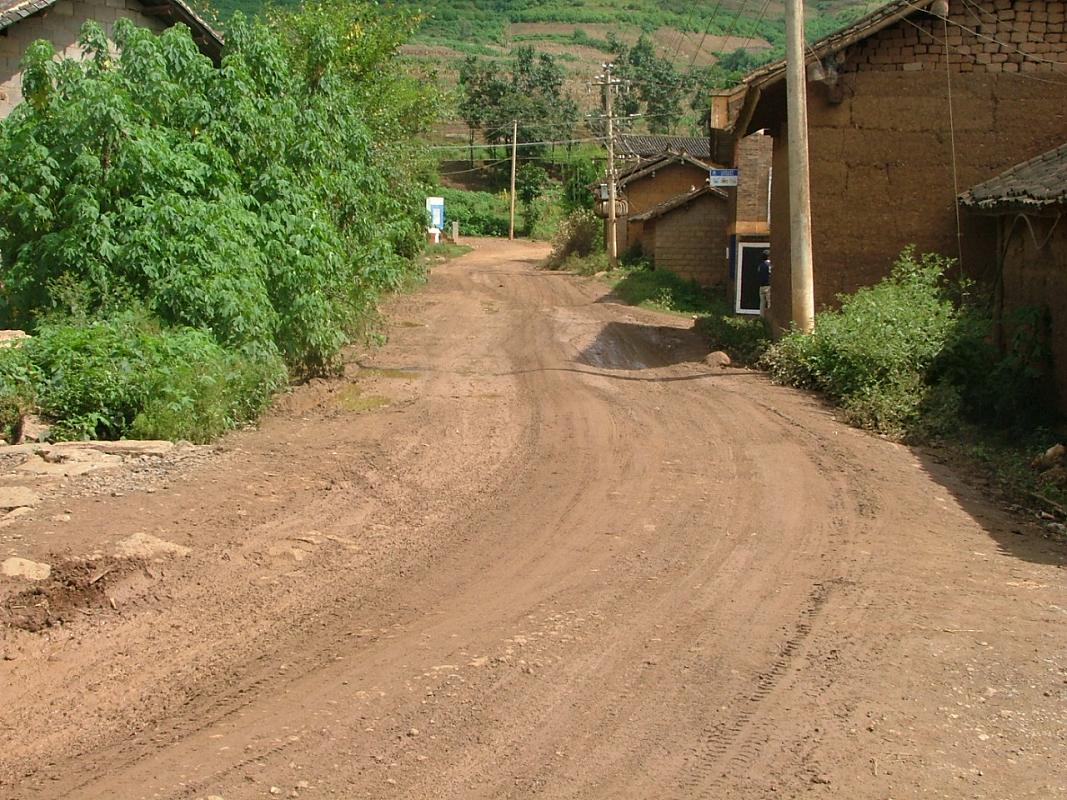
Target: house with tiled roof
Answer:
pixel 1025 210
pixel 647 183
pixel 650 187
pixel 651 145
pixel 907 108
pixel 60 21
pixel 687 235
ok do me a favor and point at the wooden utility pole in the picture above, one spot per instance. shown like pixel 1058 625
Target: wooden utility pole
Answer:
pixel 514 159
pixel 800 259
pixel 609 112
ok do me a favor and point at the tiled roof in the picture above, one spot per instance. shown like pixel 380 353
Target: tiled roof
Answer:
pixel 1034 184
pixel 643 146
pixel 12 11
pixel 861 29
pixel 677 201
pixel 209 40
pixel 649 167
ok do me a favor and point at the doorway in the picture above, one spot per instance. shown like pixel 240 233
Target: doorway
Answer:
pixel 746 287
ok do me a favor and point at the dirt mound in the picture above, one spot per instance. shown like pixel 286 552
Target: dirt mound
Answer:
pixel 74 586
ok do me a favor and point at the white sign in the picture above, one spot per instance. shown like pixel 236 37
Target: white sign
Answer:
pixel 722 177
pixel 435 208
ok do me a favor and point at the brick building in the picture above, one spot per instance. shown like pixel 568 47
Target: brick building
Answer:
pixel 887 158
pixel 59 21
pixel 687 235
pixel 1025 208
pixel 648 183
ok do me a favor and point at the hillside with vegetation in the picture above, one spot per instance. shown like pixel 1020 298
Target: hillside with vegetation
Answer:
pixel 581 35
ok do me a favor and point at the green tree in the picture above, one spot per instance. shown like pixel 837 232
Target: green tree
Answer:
pixel 531 92
pixel 656 88
pixel 530 181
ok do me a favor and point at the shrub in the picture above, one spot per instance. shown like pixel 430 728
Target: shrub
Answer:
pixel 243 216
pixel 17 375
pixel 871 355
pixel 911 354
pixel 120 376
pixel 478 213
pixel 580 233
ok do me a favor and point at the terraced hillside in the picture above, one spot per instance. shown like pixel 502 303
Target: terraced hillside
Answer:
pixel 579 33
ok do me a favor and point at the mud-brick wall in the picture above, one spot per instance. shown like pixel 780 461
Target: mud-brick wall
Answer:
pixel 881 158
pixel 61 25
pixel 1035 276
pixel 990 36
pixel 753 182
pixel 690 241
pixel 651 190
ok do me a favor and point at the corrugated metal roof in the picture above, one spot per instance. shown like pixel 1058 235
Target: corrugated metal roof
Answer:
pixel 210 40
pixel 1032 185
pixel 645 145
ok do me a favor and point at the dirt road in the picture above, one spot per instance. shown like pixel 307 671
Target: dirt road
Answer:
pixel 534 547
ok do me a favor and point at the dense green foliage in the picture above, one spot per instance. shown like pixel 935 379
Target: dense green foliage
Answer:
pixel 907 357
pixel 122 375
pixel 254 212
pixel 17 378
pixel 657 87
pixel 478 213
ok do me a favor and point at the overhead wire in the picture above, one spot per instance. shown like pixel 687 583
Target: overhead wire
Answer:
pixel 517 144
pixel 1007 45
pixel 944 42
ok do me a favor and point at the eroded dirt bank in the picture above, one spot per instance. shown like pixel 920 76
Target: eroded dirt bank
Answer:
pixel 534 547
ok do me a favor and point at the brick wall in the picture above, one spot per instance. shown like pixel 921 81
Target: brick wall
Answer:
pixel 61 25
pixel 881 158
pixel 753 163
pixel 649 191
pixel 990 36
pixel 690 241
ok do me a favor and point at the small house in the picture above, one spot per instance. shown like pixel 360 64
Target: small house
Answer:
pixel 646 184
pixel 687 235
pixel 1026 209
pixel 22 22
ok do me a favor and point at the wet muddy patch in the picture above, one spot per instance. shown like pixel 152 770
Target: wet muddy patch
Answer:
pixel 353 398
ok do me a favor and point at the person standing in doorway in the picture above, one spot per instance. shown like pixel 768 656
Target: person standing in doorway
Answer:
pixel 763 273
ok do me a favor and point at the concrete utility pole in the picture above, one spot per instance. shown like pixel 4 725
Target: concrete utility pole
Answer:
pixel 609 111
pixel 514 159
pixel 799 184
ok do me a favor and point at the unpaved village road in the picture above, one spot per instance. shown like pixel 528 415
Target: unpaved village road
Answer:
pixel 567 559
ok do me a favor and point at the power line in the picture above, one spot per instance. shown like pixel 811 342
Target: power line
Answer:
pixel 1024 75
pixel 992 39
pixel 703 38
pixel 518 144
pixel 475 169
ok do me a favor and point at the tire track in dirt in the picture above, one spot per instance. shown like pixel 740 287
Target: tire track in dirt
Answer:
pixel 569 561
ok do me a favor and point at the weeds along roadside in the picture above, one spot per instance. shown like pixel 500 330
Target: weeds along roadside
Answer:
pixel 182 240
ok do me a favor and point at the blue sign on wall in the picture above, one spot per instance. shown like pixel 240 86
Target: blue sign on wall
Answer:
pixel 722 177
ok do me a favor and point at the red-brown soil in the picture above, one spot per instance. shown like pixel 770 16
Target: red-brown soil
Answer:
pixel 534 547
